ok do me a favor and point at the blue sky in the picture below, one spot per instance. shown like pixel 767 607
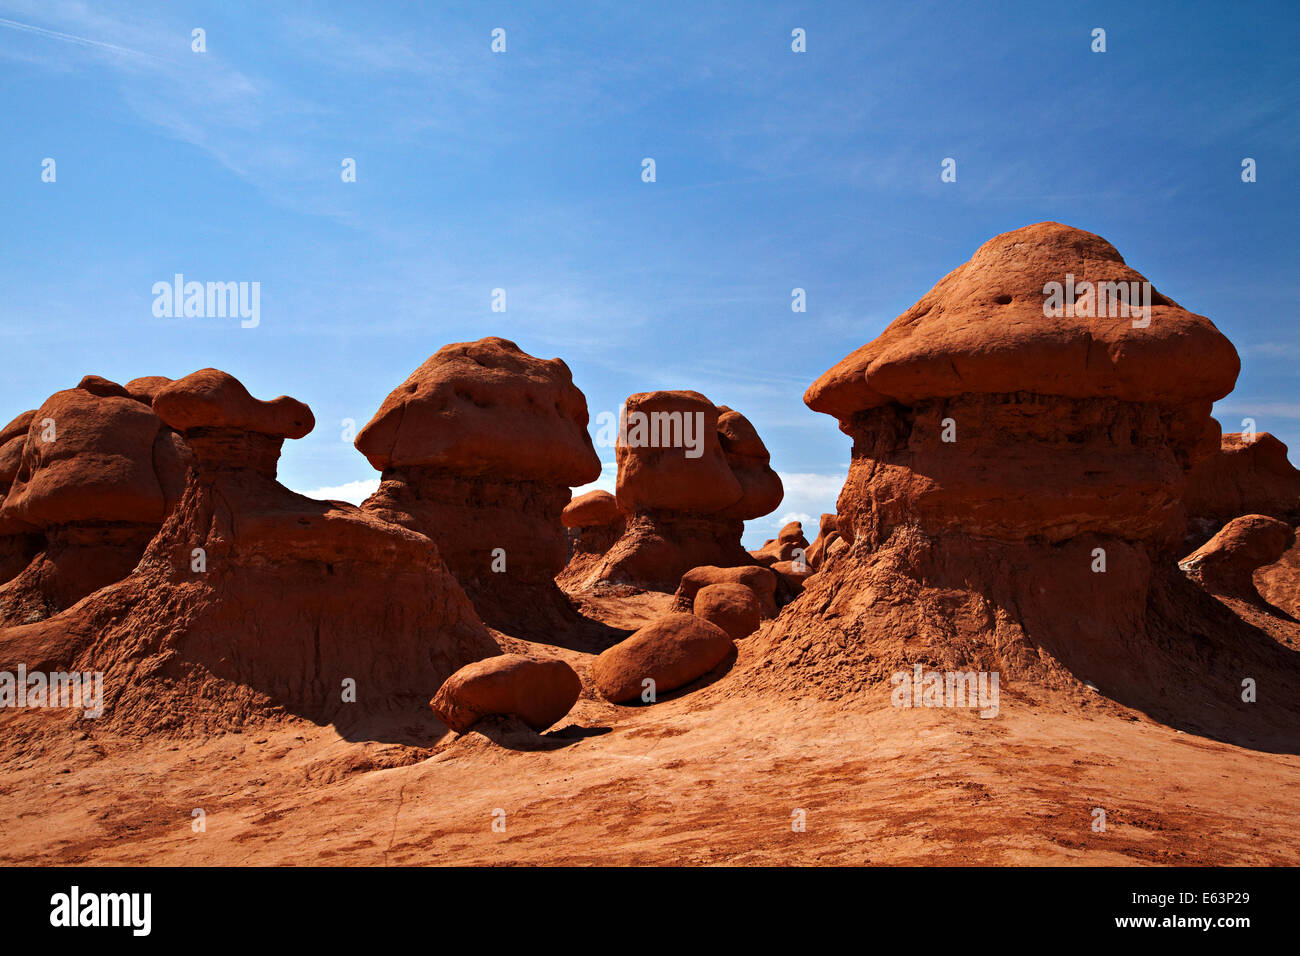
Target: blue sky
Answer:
pixel 522 171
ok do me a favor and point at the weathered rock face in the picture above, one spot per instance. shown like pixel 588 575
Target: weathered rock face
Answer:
pixel 252 598
pixel 689 475
pixel 1249 475
pixel 1014 501
pixel 478 449
pixel 89 480
pixel 538 692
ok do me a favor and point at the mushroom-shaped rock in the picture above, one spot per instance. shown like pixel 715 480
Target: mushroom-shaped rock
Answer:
pixel 758 579
pixel 252 600
pixel 593 522
pixel 689 474
pixel 732 607
pixel 537 691
pixel 1227 562
pixel 1014 497
pixel 486 408
pixel 671 652
pixel 96 474
pixel 478 449
pixel 210 398
pixel 983 330
pixel 788 545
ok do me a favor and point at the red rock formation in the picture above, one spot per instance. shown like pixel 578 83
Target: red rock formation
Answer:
pixel 760 580
pixel 732 607
pixel 828 533
pixel 1225 565
pixel 19 542
pixel 689 475
pixel 1245 477
pixel 595 523
pixel 671 652
pixel 478 449
pixel 252 598
pixel 788 545
pixel 538 692
pixel 90 480
pixel 1000 456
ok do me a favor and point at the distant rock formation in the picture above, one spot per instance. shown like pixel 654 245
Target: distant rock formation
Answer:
pixel 1249 475
pixel 689 475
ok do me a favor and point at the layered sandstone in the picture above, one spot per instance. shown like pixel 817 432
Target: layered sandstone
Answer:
pixel 1014 500
pixel 252 599
pixel 478 449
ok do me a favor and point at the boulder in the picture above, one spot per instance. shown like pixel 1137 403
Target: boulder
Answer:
pixel 537 691
pixel 761 581
pixel 732 607
pixel 1226 564
pixel 672 652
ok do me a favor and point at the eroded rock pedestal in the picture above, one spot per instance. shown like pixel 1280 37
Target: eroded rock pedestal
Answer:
pixel 1014 501
pixel 689 475
pixel 252 599
pixel 478 449
pixel 90 476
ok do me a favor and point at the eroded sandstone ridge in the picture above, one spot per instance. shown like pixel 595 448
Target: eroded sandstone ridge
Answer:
pixel 253 599
pixel 1014 501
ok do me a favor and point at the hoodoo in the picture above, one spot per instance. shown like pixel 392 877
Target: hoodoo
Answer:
pixel 478 449
pixel 1014 499
pixel 90 475
pixel 253 599
pixel 684 491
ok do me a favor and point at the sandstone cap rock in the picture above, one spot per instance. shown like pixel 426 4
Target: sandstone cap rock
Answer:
pixel 486 408
pixel 591 510
pixel 210 398
pixel 98 467
pixel 981 329
pixel 654 472
pixel 750 462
